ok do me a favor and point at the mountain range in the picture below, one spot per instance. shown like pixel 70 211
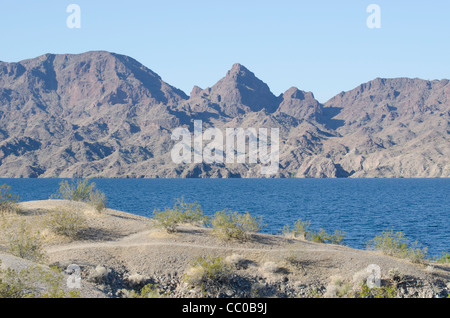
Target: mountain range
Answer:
pixel 101 114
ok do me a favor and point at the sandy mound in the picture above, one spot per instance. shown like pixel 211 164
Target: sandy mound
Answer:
pixel 119 251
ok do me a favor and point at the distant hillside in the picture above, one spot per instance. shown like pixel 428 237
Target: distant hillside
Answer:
pixel 100 114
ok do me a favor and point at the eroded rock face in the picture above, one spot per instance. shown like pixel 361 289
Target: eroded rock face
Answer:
pixel 100 114
pixel 299 104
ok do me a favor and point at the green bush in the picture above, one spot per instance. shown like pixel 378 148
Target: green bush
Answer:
pixel 65 220
pixel 323 237
pixel 232 225
pixel 180 213
pixel 148 291
pixel 318 237
pixel 339 289
pixel 211 274
pixel 302 230
pixel 314 292
pixel 82 191
pixel 7 199
pixel 191 213
pixel 337 238
pixel 390 243
pixel 167 219
pixel 23 242
pixel 397 245
pixel 375 292
pixel 444 259
pixel 416 254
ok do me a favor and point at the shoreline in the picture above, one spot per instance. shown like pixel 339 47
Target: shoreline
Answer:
pixel 122 245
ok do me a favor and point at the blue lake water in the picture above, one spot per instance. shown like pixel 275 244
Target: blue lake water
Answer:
pixel 362 208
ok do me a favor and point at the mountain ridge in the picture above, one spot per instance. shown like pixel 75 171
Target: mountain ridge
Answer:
pixel 102 114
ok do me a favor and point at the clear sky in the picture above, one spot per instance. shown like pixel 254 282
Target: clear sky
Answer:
pixel 321 46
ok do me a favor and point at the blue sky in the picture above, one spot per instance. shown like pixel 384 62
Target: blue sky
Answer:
pixel 319 46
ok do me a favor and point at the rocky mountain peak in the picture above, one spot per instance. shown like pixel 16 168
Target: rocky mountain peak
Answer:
pixel 239 71
pixel 195 91
pixel 241 91
pixel 299 104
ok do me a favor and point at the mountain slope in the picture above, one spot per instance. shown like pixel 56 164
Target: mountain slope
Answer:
pixel 80 109
pixel 105 114
pixel 395 128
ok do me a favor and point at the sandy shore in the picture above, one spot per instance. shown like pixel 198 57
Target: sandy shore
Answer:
pixel 120 251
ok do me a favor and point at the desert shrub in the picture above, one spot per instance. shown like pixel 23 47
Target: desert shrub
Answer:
pixel 318 237
pixel 211 274
pixel 167 219
pixel 338 288
pixel 314 292
pixel 83 191
pixel 65 220
pixel 375 292
pixel 397 245
pixel 23 242
pixel 390 243
pixel 323 237
pixel 33 282
pixel 8 200
pixel 148 291
pixel 337 238
pixel 233 225
pixel 417 254
pixel 136 280
pixel 444 259
pixel 191 213
pixel 180 213
pixel 395 276
pixel 302 230
pixel 343 290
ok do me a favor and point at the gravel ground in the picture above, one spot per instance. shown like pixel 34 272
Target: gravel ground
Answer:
pixel 119 252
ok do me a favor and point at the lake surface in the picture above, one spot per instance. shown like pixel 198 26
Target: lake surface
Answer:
pixel 362 208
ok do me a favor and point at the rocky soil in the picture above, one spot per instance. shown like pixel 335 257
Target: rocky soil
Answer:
pixel 120 252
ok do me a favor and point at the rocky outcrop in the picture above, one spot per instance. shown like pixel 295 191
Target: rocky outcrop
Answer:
pixel 299 104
